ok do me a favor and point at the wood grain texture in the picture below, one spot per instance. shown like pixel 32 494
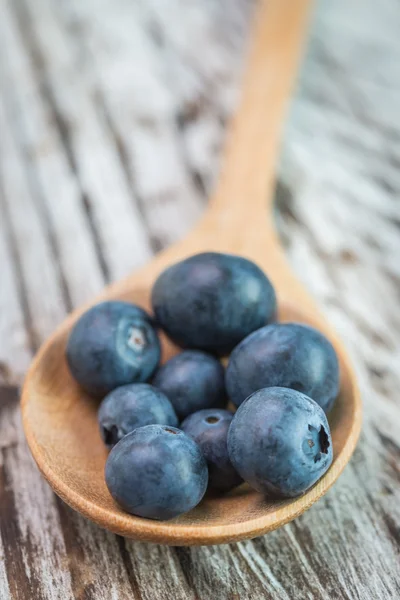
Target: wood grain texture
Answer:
pixel 339 214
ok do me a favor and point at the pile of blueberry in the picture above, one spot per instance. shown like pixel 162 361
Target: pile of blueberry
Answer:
pixel 282 378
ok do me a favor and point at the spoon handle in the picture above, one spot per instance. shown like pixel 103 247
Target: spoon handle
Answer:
pixel 248 170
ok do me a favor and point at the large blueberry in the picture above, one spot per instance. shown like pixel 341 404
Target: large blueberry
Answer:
pixel 112 344
pixel 192 380
pixel 209 428
pixel 131 406
pixel 156 472
pixel 286 355
pixel 279 441
pixel 211 301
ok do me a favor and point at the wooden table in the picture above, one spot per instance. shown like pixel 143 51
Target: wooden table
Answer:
pixel 112 115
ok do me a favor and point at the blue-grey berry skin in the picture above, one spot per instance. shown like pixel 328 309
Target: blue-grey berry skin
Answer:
pixel 112 344
pixel 209 428
pixel 212 301
pixel 156 472
pixel 280 443
pixel 285 355
pixel 131 406
pixel 192 380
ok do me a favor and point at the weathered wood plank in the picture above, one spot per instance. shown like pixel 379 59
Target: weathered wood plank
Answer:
pixel 4 587
pixel 71 95
pixel 33 549
pixel 204 83
pixel 112 116
pixel 36 171
pixel 142 114
pixel 14 354
pixel 32 246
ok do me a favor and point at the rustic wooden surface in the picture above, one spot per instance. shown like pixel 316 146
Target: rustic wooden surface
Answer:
pixel 112 114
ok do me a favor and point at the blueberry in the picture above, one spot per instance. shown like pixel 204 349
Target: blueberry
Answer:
pixel 131 406
pixel 192 380
pixel 279 441
pixel 285 355
pixel 156 472
pixel 209 428
pixel 212 301
pixel 112 344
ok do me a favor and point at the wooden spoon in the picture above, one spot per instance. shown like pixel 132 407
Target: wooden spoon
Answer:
pixel 60 420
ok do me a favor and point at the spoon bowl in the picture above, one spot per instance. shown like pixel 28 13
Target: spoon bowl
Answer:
pixel 60 420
